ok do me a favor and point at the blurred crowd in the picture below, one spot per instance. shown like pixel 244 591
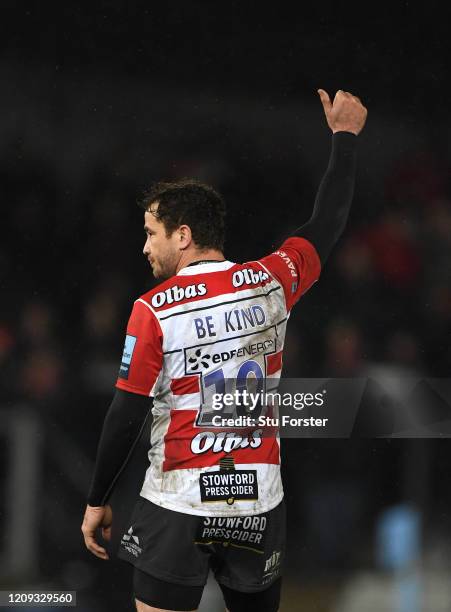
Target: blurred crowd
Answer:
pixel 385 295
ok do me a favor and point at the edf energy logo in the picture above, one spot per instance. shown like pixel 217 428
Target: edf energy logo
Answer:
pixel 196 360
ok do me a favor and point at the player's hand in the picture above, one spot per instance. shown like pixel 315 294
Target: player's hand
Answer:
pixel 97 516
pixel 345 114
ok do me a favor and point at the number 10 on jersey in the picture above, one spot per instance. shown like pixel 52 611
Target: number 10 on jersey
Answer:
pixel 231 397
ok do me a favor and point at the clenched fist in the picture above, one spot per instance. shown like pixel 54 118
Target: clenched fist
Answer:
pixel 345 114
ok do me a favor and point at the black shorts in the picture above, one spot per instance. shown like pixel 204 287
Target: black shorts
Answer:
pixel 245 553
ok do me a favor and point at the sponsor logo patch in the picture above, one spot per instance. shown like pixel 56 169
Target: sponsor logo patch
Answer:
pixel 248 276
pixel 228 484
pixel 288 261
pixel 197 359
pixel 237 531
pixel 131 543
pixel 127 355
pixel 177 294
pixel 272 566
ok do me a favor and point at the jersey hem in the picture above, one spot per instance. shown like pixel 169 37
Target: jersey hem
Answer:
pixel 220 513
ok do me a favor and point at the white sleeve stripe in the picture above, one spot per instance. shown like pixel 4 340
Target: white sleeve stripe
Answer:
pixel 146 304
pixel 273 276
pixel 266 270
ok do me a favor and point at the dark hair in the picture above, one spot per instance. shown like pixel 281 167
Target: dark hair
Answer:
pixel 190 202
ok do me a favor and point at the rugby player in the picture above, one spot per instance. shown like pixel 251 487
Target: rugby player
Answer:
pixel 210 498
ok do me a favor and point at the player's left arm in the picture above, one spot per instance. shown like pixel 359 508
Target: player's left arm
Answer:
pixel 346 117
pixel 122 427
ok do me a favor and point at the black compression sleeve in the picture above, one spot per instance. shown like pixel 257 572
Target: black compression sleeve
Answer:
pixel 334 197
pixel 122 427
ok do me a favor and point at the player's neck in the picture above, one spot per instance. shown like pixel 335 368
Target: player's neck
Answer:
pixel 191 257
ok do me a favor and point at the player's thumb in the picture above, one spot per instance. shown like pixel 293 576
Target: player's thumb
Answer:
pixel 325 100
pixel 106 533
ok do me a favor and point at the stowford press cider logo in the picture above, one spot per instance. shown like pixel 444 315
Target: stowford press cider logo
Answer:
pixel 228 484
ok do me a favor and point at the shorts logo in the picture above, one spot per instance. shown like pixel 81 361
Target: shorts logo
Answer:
pixel 273 561
pixel 237 531
pixel 129 545
pixel 272 566
pixel 127 355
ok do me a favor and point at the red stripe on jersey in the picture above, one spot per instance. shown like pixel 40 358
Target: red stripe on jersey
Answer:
pixel 182 437
pixel 187 384
pixel 274 363
pixel 183 289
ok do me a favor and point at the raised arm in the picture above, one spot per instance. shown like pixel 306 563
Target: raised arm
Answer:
pixel 346 117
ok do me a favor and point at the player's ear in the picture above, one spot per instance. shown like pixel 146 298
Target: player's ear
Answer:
pixel 184 236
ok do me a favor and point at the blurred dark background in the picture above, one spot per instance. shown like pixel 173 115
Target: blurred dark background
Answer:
pixel 99 101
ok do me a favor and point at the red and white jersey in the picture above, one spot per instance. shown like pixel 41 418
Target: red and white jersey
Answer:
pixel 202 331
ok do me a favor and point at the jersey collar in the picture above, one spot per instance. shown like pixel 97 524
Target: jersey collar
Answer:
pixel 200 268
